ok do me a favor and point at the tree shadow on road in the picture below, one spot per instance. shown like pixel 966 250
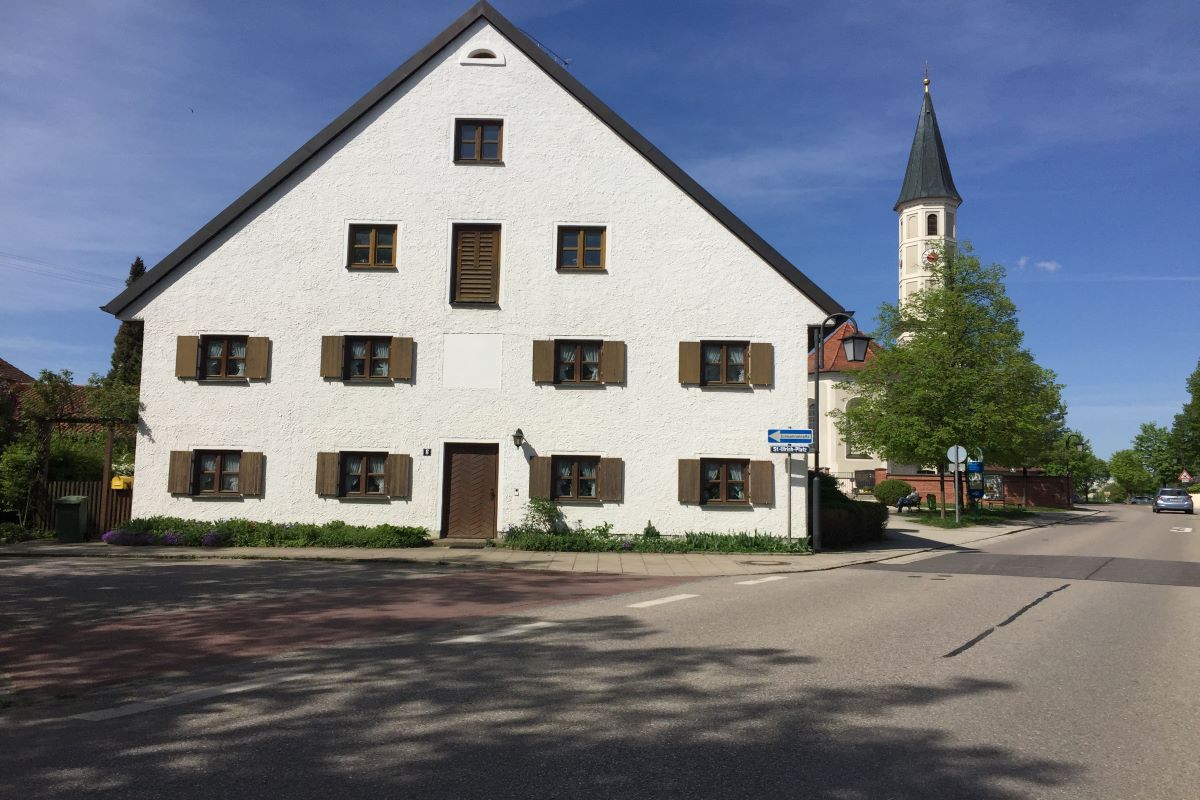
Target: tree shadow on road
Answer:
pixel 586 708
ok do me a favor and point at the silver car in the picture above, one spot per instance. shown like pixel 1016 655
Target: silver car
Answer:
pixel 1173 500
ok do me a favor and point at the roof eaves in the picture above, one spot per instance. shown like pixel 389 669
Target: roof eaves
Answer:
pixel 533 51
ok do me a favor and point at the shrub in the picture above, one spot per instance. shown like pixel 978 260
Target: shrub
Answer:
pixel 846 521
pixel 650 532
pixel 248 533
pixel 12 532
pixel 600 539
pixel 891 490
pixel 543 516
pixel 120 536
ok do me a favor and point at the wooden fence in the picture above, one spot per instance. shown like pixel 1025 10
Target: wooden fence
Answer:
pixel 120 504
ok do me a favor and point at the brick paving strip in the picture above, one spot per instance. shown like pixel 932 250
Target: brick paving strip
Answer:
pixel 71 657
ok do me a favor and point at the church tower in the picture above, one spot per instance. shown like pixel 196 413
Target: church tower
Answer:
pixel 927 206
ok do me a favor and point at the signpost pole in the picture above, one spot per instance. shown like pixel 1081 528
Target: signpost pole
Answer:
pixel 787 461
pixel 957 511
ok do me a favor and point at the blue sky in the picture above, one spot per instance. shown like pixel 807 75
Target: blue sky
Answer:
pixel 125 125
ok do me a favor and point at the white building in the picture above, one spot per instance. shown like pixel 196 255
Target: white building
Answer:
pixel 477 247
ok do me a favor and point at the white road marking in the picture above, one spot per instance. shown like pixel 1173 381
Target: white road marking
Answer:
pixel 661 600
pixel 1181 530
pixel 487 637
pixel 767 579
pixel 183 697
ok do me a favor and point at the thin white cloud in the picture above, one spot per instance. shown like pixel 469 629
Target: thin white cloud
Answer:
pixel 1048 266
pixel 1022 262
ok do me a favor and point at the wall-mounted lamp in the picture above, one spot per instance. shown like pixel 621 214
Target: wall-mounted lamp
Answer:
pixel 518 437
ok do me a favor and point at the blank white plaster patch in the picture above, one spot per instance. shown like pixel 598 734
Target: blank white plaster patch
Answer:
pixel 472 360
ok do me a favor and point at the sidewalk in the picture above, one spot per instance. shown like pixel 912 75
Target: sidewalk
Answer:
pixel 900 540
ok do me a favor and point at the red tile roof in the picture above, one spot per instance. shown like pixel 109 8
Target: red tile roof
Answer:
pixel 10 374
pixel 835 355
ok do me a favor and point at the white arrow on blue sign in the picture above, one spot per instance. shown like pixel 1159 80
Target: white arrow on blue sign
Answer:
pixel 789 435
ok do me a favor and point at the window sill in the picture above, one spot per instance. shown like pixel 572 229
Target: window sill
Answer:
pixel 464 304
pixel 364 498
pixel 372 268
pixel 581 270
pixel 458 163
pixel 725 503
pixel 579 501
pixel 218 496
pixel 222 381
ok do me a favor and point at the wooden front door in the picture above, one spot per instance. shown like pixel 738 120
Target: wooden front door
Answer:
pixel 469 491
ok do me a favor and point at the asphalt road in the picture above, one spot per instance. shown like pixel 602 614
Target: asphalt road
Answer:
pixel 1061 662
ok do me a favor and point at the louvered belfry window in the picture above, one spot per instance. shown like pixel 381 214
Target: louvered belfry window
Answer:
pixel 476 264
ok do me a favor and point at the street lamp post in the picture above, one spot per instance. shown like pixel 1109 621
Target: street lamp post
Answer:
pixel 1076 440
pixel 855 346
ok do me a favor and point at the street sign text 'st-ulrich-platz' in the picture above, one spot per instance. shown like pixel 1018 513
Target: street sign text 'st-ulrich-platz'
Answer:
pixel 790 440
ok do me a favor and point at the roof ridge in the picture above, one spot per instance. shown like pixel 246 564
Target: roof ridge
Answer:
pixel 526 45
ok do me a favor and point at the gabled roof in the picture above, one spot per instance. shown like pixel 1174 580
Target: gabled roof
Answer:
pixel 481 10
pixel 10 374
pixel 928 174
pixel 834 359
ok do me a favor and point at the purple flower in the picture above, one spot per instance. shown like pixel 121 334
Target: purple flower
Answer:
pixel 626 544
pixel 172 538
pixel 212 539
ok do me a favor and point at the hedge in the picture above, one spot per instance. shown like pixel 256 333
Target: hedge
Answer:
pixel 601 541
pixel 169 531
pixel 846 521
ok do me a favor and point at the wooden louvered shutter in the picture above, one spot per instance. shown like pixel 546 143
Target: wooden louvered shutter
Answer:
pixel 612 362
pixel 476 264
pixel 332 357
pixel 179 472
pixel 543 361
pixel 327 474
pixel 762 363
pixel 400 359
pixel 539 477
pixel 610 482
pixel 251 477
pixel 258 350
pixel 689 480
pixel 187 356
pixel 689 363
pixel 398 475
pixel 762 483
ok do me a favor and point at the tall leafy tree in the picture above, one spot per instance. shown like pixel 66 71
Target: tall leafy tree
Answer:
pixel 1085 469
pixel 127 346
pixel 953 370
pixel 1153 446
pixel 1126 468
pixel 1185 432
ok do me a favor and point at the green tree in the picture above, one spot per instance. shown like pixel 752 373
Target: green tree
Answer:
pixel 22 487
pixel 1127 470
pixel 952 370
pixel 127 346
pixel 1185 432
pixel 1064 458
pixel 1154 447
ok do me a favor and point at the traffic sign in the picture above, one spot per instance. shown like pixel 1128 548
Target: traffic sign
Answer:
pixel 790 448
pixel 974 466
pixel 789 436
pixel 956 454
pixel 1185 477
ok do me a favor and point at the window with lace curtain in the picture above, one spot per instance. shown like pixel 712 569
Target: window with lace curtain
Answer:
pixel 724 481
pixel 224 356
pixel 368 358
pixel 217 472
pixel 574 478
pixel 363 474
pixel 724 363
pixel 576 362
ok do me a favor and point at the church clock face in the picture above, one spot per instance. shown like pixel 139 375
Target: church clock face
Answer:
pixel 931 255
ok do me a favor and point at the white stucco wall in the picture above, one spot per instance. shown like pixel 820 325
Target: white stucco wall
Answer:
pixel 674 273
pixel 914 273
pixel 833 456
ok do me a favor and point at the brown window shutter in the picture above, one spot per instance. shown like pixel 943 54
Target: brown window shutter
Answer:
pixel 611 480
pixel 332 357
pixel 187 356
pixel 179 472
pixel 762 363
pixel 612 362
pixel 539 477
pixel 543 361
pixel 476 264
pixel 762 483
pixel 327 474
pixel 398 475
pixel 689 364
pixel 400 359
pixel 251 478
pixel 689 480
pixel 258 350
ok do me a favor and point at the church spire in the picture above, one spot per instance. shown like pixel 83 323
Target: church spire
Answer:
pixel 928 174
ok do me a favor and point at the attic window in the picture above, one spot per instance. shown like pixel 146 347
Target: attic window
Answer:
pixel 483 56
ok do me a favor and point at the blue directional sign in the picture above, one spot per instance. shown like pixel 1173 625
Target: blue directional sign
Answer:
pixel 789 436
pixel 974 466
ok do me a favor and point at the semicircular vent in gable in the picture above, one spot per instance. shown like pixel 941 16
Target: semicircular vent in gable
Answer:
pixel 483 56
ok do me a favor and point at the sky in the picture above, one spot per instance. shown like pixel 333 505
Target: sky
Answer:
pixel 1071 129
